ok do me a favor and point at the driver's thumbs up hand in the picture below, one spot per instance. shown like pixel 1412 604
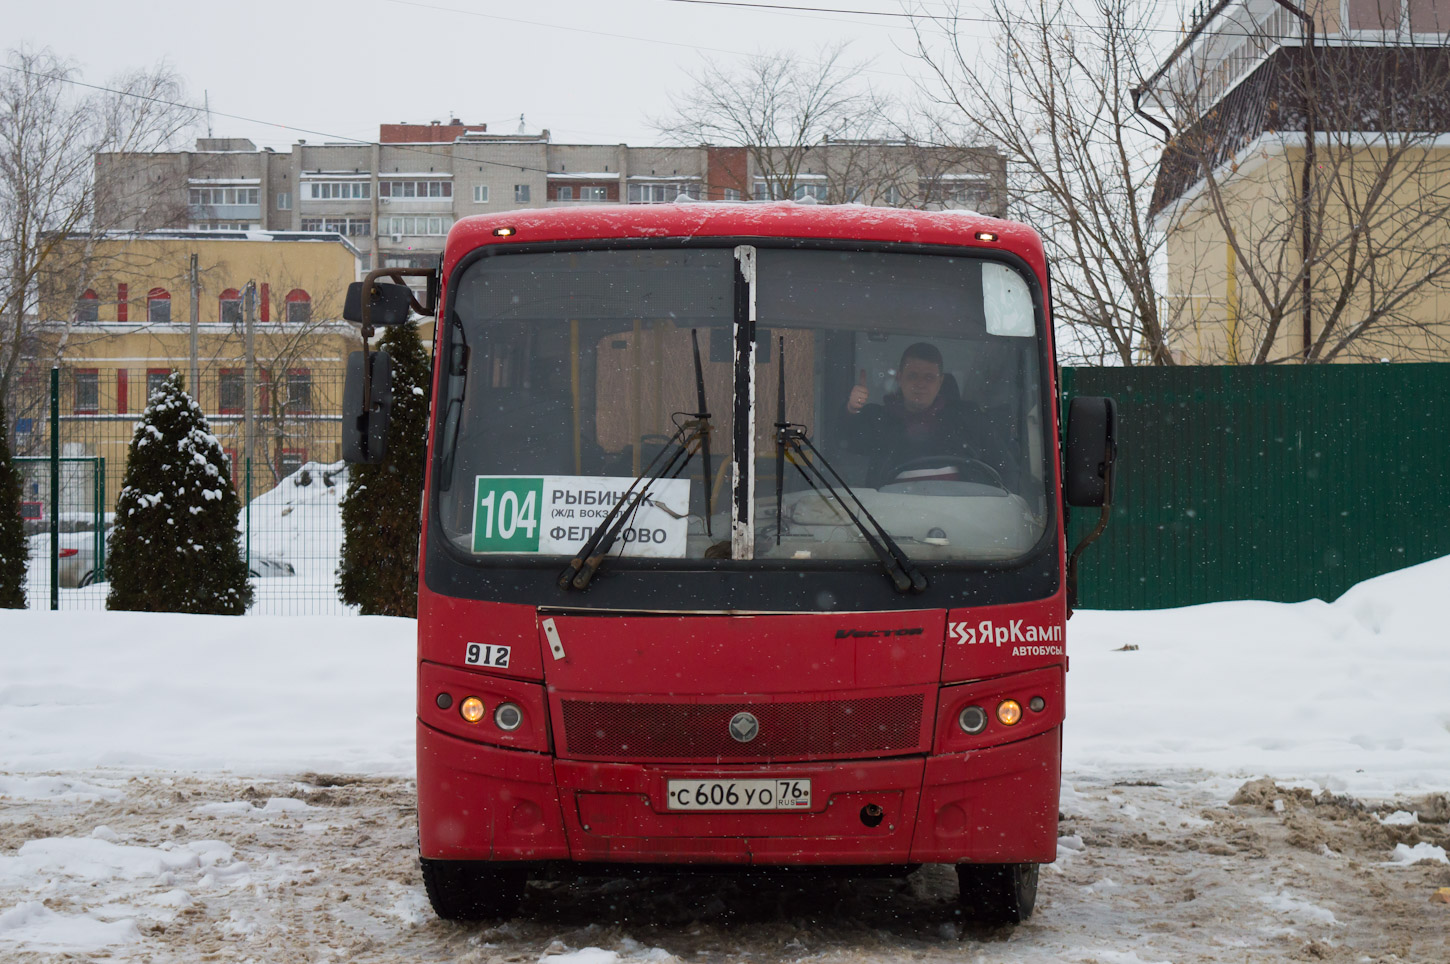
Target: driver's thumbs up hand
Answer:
pixel 859 394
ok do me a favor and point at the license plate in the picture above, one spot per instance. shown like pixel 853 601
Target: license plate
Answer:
pixel 739 794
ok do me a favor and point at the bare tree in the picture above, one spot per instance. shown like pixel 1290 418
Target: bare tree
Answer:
pixel 1052 91
pixel 50 131
pixel 286 351
pixel 1324 177
pixel 790 116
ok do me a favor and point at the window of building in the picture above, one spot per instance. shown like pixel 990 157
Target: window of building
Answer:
pixel 229 307
pixel 411 261
pixel 353 227
pixel 766 191
pixel 892 195
pixel 158 306
pixel 414 190
pixel 284 200
pixel 231 455
pixel 122 305
pixel 662 193
pixel 88 391
pixel 299 391
pixel 521 194
pixel 816 192
pixel 563 193
pixel 731 194
pixel 88 307
pixel 594 193
pixel 339 190
pixel 207 196
pixel 415 226
pixel 230 389
pixel 154 379
pixel 480 194
pixel 299 307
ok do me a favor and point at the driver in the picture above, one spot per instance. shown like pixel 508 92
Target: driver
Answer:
pixel 924 419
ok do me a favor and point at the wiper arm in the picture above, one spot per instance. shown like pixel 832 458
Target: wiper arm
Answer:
pixel 902 572
pixel 591 555
pixel 704 416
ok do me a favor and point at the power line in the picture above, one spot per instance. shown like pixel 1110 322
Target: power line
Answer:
pixel 943 17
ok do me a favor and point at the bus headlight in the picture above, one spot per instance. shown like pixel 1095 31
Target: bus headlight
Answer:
pixel 1009 712
pixel 508 717
pixel 471 709
pixel 972 719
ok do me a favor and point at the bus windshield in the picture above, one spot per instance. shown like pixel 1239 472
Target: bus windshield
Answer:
pixel 918 377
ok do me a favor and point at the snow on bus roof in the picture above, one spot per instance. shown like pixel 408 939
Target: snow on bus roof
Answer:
pixel 778 219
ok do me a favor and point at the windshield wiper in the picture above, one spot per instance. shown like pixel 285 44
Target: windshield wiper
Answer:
pixel 791 438
pixel 591 555
pixel 704 416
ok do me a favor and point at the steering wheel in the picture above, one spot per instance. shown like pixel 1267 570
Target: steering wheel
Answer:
pixel 963 464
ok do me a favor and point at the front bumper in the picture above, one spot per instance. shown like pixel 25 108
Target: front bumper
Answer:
pixel 997 804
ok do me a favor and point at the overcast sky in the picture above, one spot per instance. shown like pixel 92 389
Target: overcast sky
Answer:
pixel 591 71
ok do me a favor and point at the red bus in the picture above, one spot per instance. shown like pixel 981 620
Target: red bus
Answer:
pixel 743 545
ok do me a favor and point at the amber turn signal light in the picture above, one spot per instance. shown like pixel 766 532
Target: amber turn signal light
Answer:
pixel 1009 712
pixel 472 709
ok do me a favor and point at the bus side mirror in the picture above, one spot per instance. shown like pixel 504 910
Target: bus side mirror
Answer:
pixel 365 426
pixel 389 305
pixel 1092 450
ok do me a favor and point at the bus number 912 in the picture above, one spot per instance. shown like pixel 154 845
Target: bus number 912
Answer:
pixel 482 654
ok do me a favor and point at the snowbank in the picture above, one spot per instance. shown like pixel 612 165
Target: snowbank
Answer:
pixel 1349 695
pixel 257 694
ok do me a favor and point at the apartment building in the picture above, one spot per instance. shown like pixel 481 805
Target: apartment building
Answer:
pixel 396 199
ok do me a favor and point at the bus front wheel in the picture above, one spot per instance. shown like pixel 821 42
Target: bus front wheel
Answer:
pixel 997 893
pixel 473 890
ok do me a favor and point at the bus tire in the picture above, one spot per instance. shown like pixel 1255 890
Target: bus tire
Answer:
pixel 473 890
pixel 997 893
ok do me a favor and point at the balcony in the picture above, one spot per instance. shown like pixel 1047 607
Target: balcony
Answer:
pixel 224 212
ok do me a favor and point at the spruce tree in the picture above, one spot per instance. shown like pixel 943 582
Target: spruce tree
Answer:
pixel 14 552
pixel 379 568
pixel 175 547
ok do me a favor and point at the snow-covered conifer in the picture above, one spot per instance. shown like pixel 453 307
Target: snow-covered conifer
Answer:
pixel 175 547
pixel 379 567
pixel 14 555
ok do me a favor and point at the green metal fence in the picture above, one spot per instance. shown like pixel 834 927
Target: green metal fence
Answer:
pixel 71 430
pixel 1280 483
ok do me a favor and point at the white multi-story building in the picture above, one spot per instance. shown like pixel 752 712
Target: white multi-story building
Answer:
pixel 397 198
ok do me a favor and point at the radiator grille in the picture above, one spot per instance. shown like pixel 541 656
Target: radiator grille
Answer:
pixel 694 731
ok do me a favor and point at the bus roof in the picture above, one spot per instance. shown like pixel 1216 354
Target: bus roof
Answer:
pixel 783 219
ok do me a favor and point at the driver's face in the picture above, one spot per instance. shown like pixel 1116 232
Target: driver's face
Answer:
pixel 920 381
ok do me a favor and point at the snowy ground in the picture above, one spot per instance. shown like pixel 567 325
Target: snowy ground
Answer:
pixel 153 807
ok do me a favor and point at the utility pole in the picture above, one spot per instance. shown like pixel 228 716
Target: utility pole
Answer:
pixel 193 376
pixel 249 313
